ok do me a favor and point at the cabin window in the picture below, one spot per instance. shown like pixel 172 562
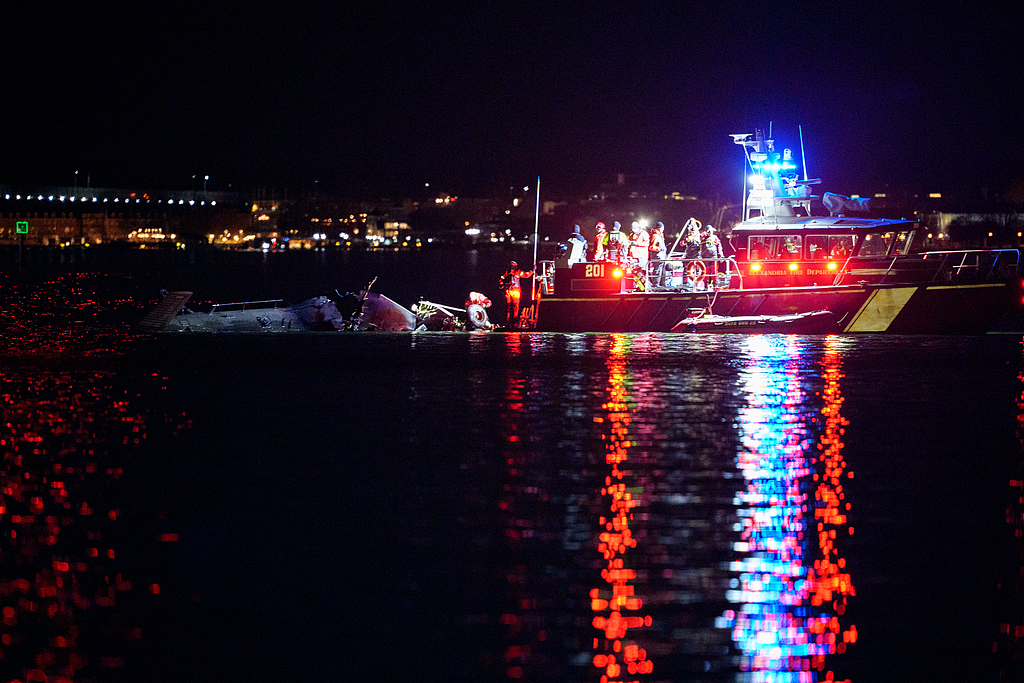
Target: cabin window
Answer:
pixel 774 248
pixel 903 241
pixel 876 244
pixel 761 248
pixel 840 246
pixel 821 247
pixel 817 247
pixel 791 248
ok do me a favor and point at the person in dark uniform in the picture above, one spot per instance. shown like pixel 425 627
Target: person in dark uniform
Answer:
pixel 616 245
pixel 577 246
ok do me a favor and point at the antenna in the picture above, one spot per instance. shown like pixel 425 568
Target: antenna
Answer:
pixel 803 159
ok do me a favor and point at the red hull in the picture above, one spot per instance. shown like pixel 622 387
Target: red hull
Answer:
pixel 893 309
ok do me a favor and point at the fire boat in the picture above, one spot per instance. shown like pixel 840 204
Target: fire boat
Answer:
pixel 791 270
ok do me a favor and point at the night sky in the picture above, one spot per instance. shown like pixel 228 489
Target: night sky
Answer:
pixel 380 98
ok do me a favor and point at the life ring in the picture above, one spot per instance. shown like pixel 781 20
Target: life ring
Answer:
pixel 696 271
pixel 476 317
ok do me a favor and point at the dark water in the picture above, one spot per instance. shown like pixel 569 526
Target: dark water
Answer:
pixel 482 507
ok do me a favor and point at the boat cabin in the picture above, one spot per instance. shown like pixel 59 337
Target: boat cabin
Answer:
pixel 796 251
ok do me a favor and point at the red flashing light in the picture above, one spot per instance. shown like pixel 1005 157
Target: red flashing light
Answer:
pixel 754 267
pixel 618 272
pixel 793 266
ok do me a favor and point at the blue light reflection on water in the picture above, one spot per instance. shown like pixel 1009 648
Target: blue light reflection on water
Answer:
pixel 786 621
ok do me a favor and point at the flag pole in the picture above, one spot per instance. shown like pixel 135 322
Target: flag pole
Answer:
pixel 536 231
pixel 536 226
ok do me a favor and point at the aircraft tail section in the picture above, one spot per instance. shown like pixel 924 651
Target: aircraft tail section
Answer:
pixel 161 314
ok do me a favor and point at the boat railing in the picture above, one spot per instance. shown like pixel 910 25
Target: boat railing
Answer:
pixel 545 283
pixel 975 264
pixel 676 274
pixel 243 305
pixel 841 273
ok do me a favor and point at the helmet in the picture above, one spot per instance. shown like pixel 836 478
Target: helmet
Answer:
pixel 513 264
pixel 616 225
pixel 600 227
pixel 661 225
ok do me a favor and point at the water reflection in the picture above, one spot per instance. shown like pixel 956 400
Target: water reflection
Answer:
pixel 71 315
pixel 1008 645
pixel 67 594
pixel 615 603
pixel 790 586
pixel 680 573
pixel 524 625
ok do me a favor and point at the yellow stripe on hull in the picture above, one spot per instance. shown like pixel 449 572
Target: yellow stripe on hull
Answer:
pixel 880 309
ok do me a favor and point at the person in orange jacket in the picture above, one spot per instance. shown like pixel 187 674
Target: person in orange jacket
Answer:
pixel 599 242
pixel 639 242
pixel 509 282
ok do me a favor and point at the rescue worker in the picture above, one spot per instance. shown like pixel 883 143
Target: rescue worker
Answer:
pixel 639 244
pixel 616 244
pixel 577 247
pixel 657 247
pixel 691 242
pixel 658 252
pixel 599 242
pixel 509 282
pixel 710 248
pixel 710 244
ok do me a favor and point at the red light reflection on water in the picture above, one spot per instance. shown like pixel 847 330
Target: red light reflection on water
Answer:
pixel 524 628
pixel 64 439
pixel 1008 644
pixel 791 593
pixel 616 607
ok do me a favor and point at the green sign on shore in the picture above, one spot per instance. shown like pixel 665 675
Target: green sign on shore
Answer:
pixel 22 227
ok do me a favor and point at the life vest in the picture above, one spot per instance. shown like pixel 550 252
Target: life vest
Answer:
pixel 657 243
pixel 711 247
pixel 615 245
